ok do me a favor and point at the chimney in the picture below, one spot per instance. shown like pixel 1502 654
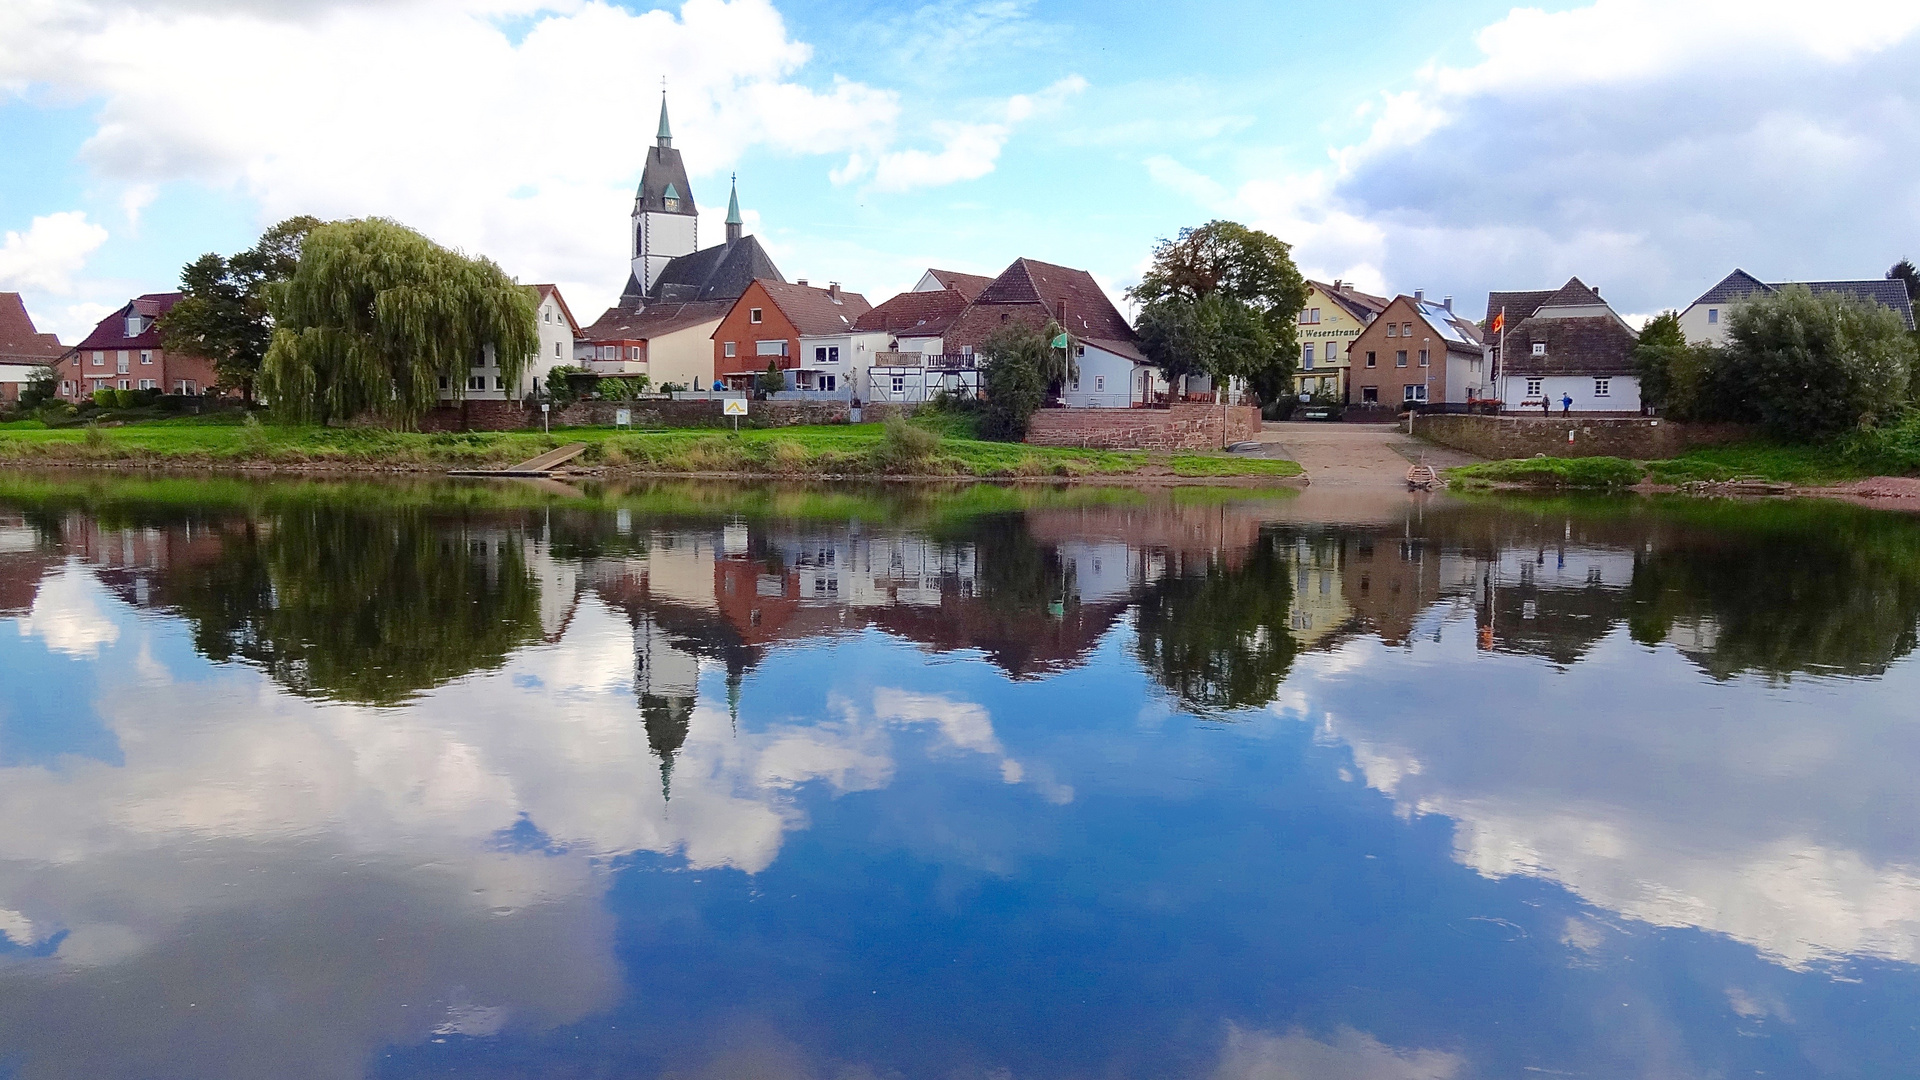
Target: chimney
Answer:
pixel 1420 295
pixel 833 291
pixel 1338 284
pixel 1447 302
pixel 1061 314
pixel 802 282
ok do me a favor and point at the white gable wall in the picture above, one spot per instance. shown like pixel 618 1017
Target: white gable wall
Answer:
pixel 1107 381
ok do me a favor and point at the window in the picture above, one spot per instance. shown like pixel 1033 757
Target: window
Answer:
pixel 1533 387
pixel 1370 395
pixel 828 382
pixel 1370 360
pixel 556 350
pixel 547 315
pixel 146 384
pixel 499 382
pixel 609 352
pixel 120 362
pixel 134 326
pixel 1393 329
pixel 1400 358
pixel 727 349
pixel 826 354
pixel 1601 386
pixel 1306 356
pixel 1099 384
pixel 1330 351
pixel 1539 348
pixel 66 386
pixel 146 357
pixel 1416 393
pixel 1315 313
pixel 443 382
pixel 476 382
pixel 126 384
pixel 633 353
pixel 770 348
pixel 1423 358
pixel 1713 315
pixel 99 359
pixel 99 384
pixel 185 387
pixel 899 384
pixel 753 315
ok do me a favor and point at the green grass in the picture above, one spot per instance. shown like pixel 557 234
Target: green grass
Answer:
pixel 847 450
pixel 1588 473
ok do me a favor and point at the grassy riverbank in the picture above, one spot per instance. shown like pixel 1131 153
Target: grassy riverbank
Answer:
pixel 838 450
pixel 1802 466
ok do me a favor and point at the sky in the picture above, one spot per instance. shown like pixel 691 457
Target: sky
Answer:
pixel 1647 146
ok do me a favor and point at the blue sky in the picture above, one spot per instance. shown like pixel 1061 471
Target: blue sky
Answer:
pixel 1647 146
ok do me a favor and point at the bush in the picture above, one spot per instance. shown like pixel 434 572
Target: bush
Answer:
pixel 1815 366
pixel 1013 375
pixel 905 446
pixel 125 399
pixel 1546 472
pixel 103 399
pixel 560 386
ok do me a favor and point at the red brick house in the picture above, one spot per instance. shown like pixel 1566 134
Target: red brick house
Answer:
pixel 1113 373
pixel 1406 355
pixel 124 353
pixel 799 328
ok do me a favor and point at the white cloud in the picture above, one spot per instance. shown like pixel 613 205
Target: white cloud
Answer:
pixel 1646 145
pixel 967 151
pixel 67 615
pixel 1348 1055
pixel 53 249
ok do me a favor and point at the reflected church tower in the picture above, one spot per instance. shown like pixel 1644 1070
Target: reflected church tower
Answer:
pixel 666 224
pixel 666 685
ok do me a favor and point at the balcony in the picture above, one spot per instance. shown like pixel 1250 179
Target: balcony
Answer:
pixel 931 361
pixel 617 367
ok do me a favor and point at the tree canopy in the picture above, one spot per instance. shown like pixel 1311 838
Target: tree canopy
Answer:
pixel 1224 300
pixel 1017 366
pixel 1905 272
pixel 226 314
pixel 1813 365
pixel 376 315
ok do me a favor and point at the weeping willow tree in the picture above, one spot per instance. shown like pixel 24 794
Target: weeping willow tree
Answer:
pixel 377 315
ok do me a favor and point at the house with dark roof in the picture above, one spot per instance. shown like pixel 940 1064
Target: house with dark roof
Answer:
pixel 1112 371
pixel 806 332
pixel 912 363
pixel 1333 316
pixel 1414 351
pixel 124 352
pixel 1562 348
pixel 671 343
pixel 1705 320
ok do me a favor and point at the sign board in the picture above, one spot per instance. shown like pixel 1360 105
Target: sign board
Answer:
pixel 735 406
pixel 623 418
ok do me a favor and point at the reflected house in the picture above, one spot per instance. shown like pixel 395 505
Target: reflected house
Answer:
pixel 1556 601
pixel 1389 580
pixel 1320 605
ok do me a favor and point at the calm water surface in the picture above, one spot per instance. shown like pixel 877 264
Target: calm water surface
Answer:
pixel 342 780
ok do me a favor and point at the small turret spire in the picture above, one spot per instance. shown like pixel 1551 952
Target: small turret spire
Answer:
pixel 733 211
pixel 665 137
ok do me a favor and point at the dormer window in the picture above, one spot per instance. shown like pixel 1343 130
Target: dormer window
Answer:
pixel 135 325
pixel 672 204
pixel 671 199
pixel 1539 348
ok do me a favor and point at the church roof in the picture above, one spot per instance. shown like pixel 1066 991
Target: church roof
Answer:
pixel 663 173
pixel 720 272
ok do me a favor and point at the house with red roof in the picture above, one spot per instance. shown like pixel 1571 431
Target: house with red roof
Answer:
pixel 914 363
pixel 24 350
pixel 124 352
pixel 558 332
pixel 805 331
pixel 1112 371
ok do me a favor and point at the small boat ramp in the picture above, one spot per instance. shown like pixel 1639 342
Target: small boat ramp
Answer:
pixel 539 468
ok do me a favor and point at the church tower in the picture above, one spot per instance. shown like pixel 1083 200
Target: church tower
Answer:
pixel 665 221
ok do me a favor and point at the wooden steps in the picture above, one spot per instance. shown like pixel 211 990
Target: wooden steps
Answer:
pixel 541 466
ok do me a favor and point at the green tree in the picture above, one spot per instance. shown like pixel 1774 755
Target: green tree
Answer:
pixel 377 316
pixel 1219 639
pixel 771 380
pixel 38 389
pixel 1017 366
pixel 1905 272
pixel 1224 300
pixel 1813 366
pixel 1655 356
pixel 226 314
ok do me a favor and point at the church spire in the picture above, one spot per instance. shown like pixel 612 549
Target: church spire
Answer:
pixel 665 137
pixel 733 211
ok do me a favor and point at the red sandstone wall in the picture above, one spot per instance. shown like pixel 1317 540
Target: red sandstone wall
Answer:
pixel 1177 427
pixel 647 413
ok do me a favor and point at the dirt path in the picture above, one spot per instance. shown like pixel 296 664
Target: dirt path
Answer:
pixel 1356 455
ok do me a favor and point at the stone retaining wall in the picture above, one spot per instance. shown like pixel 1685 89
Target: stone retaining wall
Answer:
pixel 1176 427
pixel 648 413
pixel 1636 437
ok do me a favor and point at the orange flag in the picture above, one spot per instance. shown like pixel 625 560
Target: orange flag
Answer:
pixel 1500 321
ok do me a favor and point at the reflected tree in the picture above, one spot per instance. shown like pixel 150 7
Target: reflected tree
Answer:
pixel 361 607
pixel 1219 640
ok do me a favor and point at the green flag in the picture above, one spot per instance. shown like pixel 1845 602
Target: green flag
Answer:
pixel 1060 342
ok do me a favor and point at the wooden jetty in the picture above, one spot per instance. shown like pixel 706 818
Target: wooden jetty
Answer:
pixel 539 468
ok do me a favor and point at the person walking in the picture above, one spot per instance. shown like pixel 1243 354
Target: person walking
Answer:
pixel 1566 404
pixel 1546 405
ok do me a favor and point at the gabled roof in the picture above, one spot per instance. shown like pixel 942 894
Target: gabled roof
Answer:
pixel 720 272
pixel 967 285
pixel 1574 293
pixel 813 311
pixel 1362 306
pixel 915 314
pixel 1889 293
pixel 1517 305
pixel 658 320
pixel 1735 286
pixel 1587 345
pixel 545 291
pixel 111 332
pixel 20 341
pixel 1456 331
pixel 1089 313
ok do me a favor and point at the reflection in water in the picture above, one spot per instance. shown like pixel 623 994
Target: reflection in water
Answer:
pixel 329 780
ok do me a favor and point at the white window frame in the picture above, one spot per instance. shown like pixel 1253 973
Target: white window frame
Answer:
pixel 1713 316
pixel 99 359
pixel 1306 357
pixel 1539 348
pixel 754 315
pixel 146 357
pixel 1602 387
pixel 1099 384
pixel 1415 393
pixel 727 349
pixel 1536 387
pixel 476 382
pixel 633 352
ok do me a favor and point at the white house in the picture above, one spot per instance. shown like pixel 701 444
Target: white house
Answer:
pixel 1705 320
pixel 1113 373
pixel 486 381
pixel 1548 346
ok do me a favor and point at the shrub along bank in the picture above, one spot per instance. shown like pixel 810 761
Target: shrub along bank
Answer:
pixel 900 448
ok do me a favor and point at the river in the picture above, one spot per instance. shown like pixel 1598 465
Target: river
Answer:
pixel 341 779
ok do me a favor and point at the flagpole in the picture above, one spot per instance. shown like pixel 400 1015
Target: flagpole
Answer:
pixel 1502 358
